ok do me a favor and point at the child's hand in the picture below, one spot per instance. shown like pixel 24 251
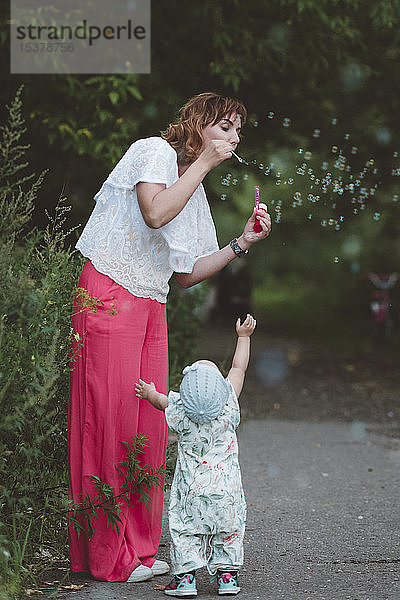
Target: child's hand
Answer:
pixel 143 389
pixel 247 328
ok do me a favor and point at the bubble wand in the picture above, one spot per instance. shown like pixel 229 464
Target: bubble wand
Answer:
pixel 240 159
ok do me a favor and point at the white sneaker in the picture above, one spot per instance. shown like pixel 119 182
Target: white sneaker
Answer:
pixel 141 573
pixel 160 567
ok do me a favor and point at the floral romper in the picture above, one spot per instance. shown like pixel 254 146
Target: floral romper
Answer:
pixel 207 509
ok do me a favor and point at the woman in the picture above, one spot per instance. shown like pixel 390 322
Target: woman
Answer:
pixel 151 220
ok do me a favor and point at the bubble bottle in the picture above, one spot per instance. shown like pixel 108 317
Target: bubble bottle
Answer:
pixel 259 206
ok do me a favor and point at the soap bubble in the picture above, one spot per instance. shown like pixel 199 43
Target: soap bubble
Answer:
pixel 358 431
pixel 353 75
pixel 272 367
pixel 334 182
pixel 383 135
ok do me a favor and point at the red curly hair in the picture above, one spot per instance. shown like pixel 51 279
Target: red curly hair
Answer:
pixel 204 109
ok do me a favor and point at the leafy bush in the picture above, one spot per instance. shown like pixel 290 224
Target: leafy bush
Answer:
pixel 38 273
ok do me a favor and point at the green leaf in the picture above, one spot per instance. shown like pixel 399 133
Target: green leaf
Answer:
pixel 114 97
pixel 135 92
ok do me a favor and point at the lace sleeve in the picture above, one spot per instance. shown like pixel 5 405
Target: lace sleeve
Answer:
pixel 191 235
pixel 151 160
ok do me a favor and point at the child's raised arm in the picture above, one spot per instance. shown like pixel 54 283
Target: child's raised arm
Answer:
pixel 241 357
pixel 148 392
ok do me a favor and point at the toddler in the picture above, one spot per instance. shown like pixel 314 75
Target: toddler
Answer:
pixel 207 509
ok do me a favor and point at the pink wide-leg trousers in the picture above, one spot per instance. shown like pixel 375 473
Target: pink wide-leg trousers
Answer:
pixel 126 338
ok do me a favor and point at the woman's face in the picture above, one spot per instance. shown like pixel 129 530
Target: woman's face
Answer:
pixel 227 129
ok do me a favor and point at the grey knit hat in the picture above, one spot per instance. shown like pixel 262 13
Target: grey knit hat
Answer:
pixel 203 392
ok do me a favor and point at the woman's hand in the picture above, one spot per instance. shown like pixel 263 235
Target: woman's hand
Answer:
pixel 249 236
pixel 206 266
pixel 215 152
pixel 160 204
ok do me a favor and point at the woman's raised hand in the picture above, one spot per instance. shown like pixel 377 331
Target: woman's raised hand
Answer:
pixel 249 236
pixel 215 152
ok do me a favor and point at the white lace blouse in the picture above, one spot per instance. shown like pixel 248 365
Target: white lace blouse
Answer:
pixel 120 244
